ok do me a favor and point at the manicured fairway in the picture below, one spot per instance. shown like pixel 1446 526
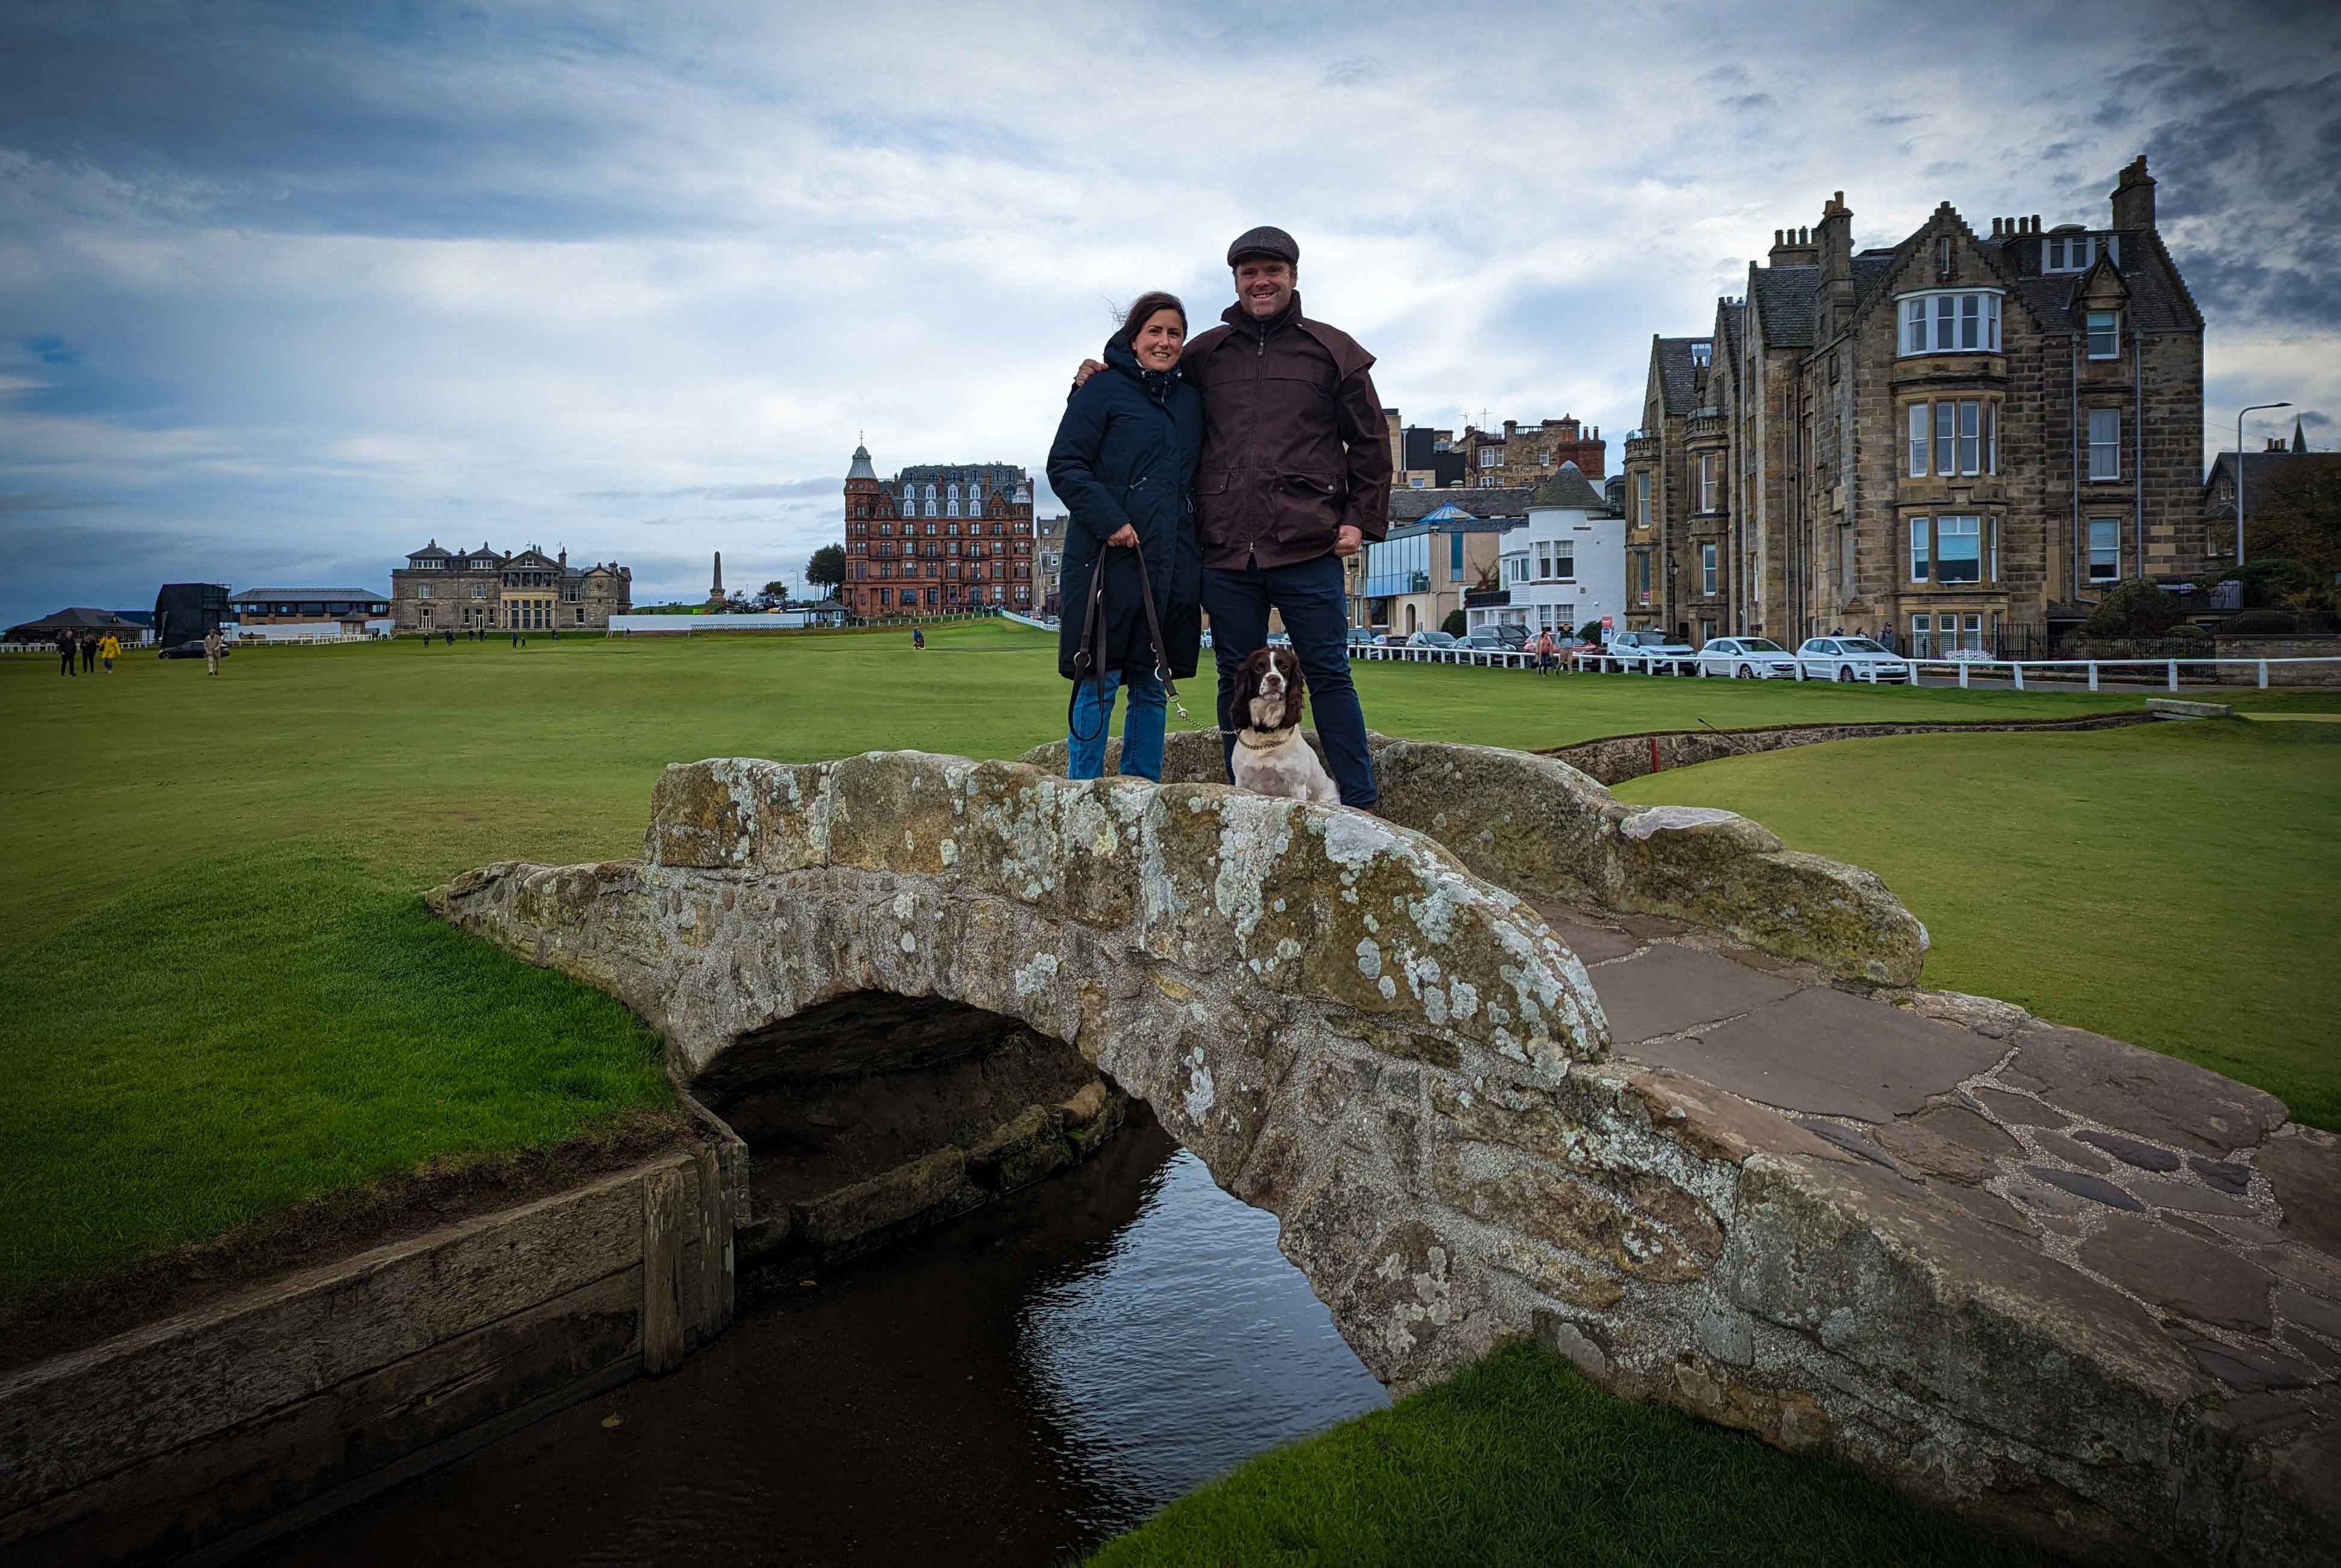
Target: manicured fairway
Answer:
pixel 1518 1459
pixel 2173 884
pixel 222 995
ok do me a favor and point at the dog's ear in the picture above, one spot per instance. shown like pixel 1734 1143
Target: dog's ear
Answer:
pixel 1296 687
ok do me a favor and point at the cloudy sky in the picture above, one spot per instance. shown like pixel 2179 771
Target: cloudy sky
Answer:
pixel 282 297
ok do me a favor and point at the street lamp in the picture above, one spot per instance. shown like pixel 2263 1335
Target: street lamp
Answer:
pixel 2239 471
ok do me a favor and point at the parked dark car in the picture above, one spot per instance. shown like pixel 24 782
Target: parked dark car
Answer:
pixel 190 649
pixel 1487 641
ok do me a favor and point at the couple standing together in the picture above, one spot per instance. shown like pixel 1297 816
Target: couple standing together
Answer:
pixel 1228 472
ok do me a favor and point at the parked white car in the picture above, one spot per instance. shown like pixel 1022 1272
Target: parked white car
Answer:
pixel 1849 659
pixel 1649 652
pixel 1749 659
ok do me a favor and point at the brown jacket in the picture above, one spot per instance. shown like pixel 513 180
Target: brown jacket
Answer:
pixel 1294 444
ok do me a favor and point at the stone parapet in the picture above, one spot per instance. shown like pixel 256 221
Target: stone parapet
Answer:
pixel 1544 829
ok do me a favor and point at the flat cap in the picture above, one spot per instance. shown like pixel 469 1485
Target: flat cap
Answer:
pixel 1265 241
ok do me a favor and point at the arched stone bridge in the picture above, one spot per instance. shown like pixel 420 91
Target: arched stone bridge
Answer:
pixel 1407 1064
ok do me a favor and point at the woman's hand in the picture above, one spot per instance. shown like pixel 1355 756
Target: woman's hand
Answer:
pixel 1126 536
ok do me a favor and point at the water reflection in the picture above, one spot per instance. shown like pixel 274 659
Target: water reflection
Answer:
pixel 1185 1347
pixel 1010 1388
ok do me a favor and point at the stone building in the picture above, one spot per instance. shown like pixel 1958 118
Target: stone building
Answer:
pixel 485 590
pixel 934 539
pixel 1049 557
pixel 1523 457
pixel 1966 438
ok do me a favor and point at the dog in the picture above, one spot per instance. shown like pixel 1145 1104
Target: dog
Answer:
pixel 1271 758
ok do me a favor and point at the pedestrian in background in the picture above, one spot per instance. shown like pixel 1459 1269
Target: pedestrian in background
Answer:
pixel 918 637
pixel 212 641
pixel 89 652
pixel 65 655
pixel 109 648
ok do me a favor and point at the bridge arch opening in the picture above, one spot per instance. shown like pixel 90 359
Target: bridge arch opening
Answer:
pixel 874 1114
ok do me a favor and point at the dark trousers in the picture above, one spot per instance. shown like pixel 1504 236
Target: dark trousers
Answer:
pixel 67 667
pixel 89 656
pixel 1309 596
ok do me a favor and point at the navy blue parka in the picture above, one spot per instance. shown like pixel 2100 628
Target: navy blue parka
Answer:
pixel 1125 452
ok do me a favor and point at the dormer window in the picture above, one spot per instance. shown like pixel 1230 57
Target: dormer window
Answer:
pixel 2075 253
pixel 2105 334
pixel 1700 352
pixel 1951 323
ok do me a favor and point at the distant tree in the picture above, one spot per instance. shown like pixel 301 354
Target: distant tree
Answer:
pixel 2299 520
pixel 738 604
pixel 776 592
pixel 2137 608
pixel 1455 624
pixel 827 567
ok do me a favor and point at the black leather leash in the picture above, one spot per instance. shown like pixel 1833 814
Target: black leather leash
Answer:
pixel 1089 654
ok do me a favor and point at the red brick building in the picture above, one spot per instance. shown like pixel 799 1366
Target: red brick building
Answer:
pixel 938 538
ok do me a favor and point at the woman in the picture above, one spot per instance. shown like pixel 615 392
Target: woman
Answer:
pixel 1124 466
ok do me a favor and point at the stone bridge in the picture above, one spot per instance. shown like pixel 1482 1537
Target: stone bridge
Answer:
pixel 1741 1165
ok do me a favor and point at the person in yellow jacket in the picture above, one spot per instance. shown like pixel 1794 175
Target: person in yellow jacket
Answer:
pixel 109 648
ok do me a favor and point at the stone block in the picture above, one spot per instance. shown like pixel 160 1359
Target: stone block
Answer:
pixel 896 810
pixel 2141 1092
pixel 1831 1054
pixel 936 1183
pixel 2181 1273
pixel 1667 988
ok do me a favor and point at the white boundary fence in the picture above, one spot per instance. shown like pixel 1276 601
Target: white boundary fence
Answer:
pixel 2056 671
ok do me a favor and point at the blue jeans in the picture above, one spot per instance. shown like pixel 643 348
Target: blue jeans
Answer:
pixel 1309 596
pixel 1141 727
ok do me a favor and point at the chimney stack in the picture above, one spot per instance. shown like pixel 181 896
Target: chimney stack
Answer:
pixel 1792 247
pixel 2134 196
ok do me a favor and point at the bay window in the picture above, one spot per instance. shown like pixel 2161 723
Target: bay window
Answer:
pixel 1706 568
pixel 1958 549
pixel 1921 554
pixel 1711 481
pixel 1967 323
pixel 2104 443
pixel 1959 437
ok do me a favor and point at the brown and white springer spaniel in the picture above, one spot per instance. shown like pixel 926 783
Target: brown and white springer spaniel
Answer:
pixel 1271 758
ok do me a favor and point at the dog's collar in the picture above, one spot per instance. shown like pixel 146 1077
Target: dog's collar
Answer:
pixel 1275 738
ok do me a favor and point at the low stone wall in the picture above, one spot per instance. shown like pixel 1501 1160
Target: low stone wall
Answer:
pixel 1411 1068
pixel 212 1429
pixel 1614 759
pixel 1543 828
pixel 2307 647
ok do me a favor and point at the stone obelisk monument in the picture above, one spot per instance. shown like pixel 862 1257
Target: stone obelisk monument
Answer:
pixel 715 593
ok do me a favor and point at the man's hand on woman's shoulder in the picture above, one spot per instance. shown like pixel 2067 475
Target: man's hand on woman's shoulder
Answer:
pixel 1089 367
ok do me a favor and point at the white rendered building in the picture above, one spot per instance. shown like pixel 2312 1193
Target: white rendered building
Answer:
pixel 1567 567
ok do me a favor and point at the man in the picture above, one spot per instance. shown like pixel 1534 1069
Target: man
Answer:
pixel 212 650
pixel 89 652
pixel 1294 475
pixel 65 647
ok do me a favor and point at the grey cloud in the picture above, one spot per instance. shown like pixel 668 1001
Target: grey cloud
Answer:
pixel 2315 419
pixel 1748 100
pixel 787 490
pixel 45 500
pixel 1351 71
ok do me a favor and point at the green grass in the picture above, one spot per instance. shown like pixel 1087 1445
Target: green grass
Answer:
pixel 2173 884
pixel 220 995
pixel 1520 1460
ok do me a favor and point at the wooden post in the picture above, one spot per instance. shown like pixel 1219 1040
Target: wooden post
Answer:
pixel 663 1238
